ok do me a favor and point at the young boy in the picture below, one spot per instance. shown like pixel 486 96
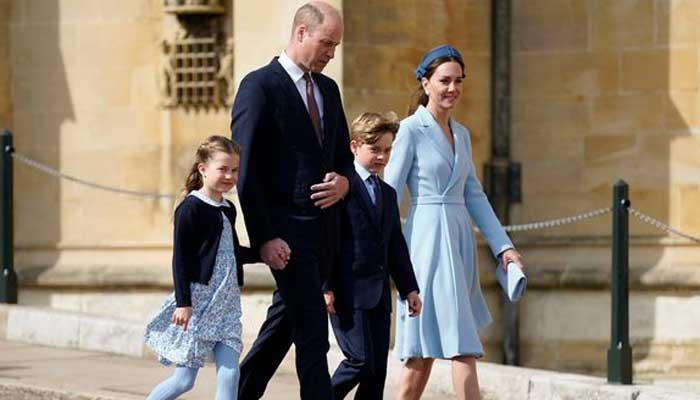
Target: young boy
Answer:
pixel 372 250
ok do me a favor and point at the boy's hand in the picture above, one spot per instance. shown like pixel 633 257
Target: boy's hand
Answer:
pixel 181 316
pixel 414 304
pixel 329 297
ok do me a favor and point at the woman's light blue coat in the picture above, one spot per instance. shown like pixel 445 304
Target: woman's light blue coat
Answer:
pixel 445 197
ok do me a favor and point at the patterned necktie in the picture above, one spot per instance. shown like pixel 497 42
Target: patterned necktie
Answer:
pixel 313 108
pixel 374 180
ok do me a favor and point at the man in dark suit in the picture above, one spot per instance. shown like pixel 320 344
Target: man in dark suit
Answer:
pixel 289 120
pixel 373 249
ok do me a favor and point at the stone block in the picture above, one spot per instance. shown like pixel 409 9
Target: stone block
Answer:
pixel 111 336
pixel 36 46
pixel 555 146
pixel 463 24
pixel 611 28
pixel 42 89
pixel 559 119
pixel 683 71
pixel 564 75
pixel 131 10
pixel 677 22
pixel 689 214
pixel 577 387
pixel 389 22
pixel 545 26
pixel 385 67
pixel 645 70
pixel 682 110
pixel 607 146
pixel 628 113
pixel 45 327
pixel 477 83
pixel 539 175
pixel 359 101
pixel 356 22
pixel 4 310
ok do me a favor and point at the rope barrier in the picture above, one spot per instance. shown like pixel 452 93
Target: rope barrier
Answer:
pixel 508 228
pixel 661 226
pixel 55 173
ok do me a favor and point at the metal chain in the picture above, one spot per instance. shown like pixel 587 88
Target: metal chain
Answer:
pixel 508 228
pixel 53 172
pixel 557 222
pixel 660 225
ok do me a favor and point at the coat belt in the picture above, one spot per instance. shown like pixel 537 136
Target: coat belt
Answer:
pixel 437 199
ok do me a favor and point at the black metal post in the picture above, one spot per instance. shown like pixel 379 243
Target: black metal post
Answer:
pixel 498 171
pixel 620 352
pixel 8 278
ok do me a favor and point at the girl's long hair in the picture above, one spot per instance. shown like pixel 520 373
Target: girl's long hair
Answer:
pixel 419 98
pixel 205 152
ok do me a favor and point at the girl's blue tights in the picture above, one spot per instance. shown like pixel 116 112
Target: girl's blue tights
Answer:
pixel 183 379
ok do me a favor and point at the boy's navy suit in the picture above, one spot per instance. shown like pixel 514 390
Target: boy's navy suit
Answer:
pixel 372 250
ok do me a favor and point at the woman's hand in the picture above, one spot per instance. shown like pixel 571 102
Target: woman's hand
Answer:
pixel 512 255
pixel 181 316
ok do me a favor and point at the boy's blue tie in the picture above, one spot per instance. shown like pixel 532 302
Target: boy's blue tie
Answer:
pixel 374 182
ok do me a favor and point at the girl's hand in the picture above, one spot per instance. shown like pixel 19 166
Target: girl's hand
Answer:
pixel 181 316
pixel 512 255
pixel 329 298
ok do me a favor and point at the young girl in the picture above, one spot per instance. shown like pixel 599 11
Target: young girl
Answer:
pixel 200 321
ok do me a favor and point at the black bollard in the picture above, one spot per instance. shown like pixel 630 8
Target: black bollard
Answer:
pixel 8 278
pixel 620 352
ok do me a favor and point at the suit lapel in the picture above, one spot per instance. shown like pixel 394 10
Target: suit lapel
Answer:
pixel 364 200
pixel 298 108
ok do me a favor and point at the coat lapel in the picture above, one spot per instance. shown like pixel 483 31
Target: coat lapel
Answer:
pixel 431 129
pixel 460 148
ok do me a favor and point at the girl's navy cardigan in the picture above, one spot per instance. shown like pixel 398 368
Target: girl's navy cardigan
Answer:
pixel 198 227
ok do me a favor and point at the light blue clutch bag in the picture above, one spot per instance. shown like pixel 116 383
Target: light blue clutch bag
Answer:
pixel 512 280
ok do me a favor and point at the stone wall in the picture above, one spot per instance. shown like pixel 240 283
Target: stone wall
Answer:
pixel 384 41
pixel 597 98
pixel 601 91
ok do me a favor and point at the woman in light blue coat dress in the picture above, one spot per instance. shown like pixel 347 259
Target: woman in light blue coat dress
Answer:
pixel 432 155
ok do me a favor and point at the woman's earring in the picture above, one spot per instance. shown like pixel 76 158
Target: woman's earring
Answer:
pixel 205 176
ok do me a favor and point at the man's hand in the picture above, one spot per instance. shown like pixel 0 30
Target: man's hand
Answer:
pixel 414 304
pixel 275 253
pixel 329 297
pixel 181 316
pixel 331 191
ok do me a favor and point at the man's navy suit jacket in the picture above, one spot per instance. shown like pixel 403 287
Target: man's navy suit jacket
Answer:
pixel 372 250
pixel 282 158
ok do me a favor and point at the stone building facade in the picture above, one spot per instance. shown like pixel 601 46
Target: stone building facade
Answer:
pixel 601 90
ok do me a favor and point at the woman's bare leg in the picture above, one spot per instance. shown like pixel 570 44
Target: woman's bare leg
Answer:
pixel 464 378
pixel 414 377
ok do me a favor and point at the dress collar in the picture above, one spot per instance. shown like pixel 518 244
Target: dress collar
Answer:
pixel 208 200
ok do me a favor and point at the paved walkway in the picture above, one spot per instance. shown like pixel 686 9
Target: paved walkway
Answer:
pixel 115 377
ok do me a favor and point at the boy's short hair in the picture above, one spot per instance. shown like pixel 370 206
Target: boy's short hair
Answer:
pixel 370 126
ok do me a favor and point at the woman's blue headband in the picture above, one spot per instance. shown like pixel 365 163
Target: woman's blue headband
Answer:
pixel 441 51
